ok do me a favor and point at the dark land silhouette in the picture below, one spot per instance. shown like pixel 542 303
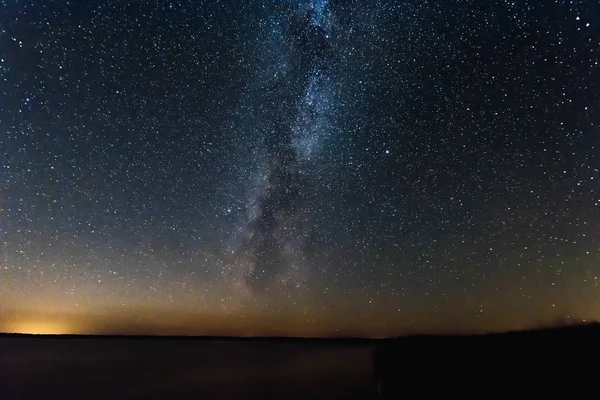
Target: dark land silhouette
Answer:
pixel 557 361
pixel 533 364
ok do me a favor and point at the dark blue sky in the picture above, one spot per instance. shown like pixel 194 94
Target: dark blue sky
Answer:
pixel 369 168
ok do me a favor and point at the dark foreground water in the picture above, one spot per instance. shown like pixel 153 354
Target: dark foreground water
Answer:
pixel 35 368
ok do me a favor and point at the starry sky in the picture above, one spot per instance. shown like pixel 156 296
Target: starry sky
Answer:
pixel 279 167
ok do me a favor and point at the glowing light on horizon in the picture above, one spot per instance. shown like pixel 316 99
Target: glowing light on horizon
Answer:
pixel 39 328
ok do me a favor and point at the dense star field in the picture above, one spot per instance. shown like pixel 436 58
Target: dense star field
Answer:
pixel 298 167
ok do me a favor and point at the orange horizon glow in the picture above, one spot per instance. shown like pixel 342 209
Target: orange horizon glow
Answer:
pixel 39 328
pixel 144 321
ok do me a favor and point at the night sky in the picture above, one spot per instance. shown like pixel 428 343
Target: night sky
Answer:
pixel 275 167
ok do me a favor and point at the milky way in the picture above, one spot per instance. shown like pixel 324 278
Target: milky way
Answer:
pixel 299 166
pixel 271 249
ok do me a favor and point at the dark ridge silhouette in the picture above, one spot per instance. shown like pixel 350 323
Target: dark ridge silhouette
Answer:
pixel 553 329
pixel 549 361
